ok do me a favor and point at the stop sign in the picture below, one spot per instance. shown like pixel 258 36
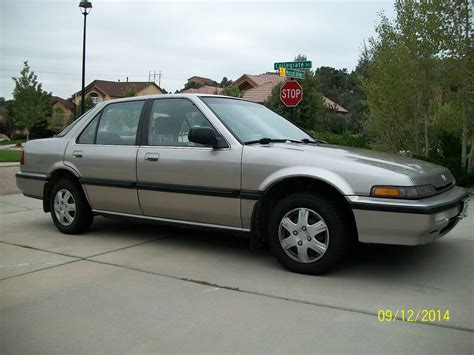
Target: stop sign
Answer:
pixel 291 93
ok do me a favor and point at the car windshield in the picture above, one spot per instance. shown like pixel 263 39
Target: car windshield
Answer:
pixel 249 121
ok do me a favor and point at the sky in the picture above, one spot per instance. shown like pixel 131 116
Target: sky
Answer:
pixel 181 39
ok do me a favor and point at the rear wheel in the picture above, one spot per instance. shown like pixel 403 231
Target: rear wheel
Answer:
pixel 69 208
pixel 308 233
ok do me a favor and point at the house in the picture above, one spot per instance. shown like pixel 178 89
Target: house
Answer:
pixel 200 81
pixel 258 88
pixel 62 113
pixel 59 103
pixel 206 89
pixel 102 90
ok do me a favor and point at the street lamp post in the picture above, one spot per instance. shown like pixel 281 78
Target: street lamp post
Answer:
pixel 85 7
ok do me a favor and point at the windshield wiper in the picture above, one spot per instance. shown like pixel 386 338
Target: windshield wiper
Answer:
pixel 314 141
pixel 268 140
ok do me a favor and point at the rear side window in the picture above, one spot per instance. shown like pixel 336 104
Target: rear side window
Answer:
pixel 88 135
pixel 117 124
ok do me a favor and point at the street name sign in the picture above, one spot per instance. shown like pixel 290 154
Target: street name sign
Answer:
pixel 291 73
pixel 293 65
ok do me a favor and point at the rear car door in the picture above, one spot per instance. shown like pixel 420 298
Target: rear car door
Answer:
pixel 104 155
pixel 181 180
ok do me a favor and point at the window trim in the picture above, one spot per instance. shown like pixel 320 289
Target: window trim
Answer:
pixel 146 126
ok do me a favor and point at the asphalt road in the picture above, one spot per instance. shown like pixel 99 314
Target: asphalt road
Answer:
pixel 137 288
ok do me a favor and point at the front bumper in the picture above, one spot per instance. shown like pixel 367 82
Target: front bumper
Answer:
pixel 408 222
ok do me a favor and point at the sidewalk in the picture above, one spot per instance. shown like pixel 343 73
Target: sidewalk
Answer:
pixel 7 178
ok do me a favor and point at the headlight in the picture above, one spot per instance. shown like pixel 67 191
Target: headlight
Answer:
pixel 405 192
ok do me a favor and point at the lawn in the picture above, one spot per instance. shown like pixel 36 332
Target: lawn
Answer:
pixel 9 155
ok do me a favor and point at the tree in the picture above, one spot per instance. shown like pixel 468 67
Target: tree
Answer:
pixel 460 48
pixel 87 106
pixel 58 120
pixel 310 113
pixel 30 105
pixel 130 90
pixel 225 82
pixel 232 91
pixel 419 82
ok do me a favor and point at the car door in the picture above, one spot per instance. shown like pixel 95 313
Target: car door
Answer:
pixel 105 155
pixel 185 181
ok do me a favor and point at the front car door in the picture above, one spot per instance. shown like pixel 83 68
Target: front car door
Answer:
pixel 104 155
pixel 183 181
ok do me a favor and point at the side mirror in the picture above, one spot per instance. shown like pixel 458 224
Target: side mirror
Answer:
pixel 205 136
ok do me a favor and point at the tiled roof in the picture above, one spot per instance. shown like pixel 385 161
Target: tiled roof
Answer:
pixel 206 89
pixel 260 79
pixel 65 103
pixel 260 93
pixel 207 81
pixel 116 88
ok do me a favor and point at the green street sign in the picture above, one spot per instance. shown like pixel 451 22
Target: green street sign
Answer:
pixel 297 74
pixel 293 65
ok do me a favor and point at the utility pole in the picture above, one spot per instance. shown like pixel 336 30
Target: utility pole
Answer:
pixel 154 77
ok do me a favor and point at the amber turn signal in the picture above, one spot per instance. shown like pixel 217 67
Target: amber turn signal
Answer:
pixel 385 192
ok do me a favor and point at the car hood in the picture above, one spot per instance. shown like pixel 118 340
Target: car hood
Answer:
pixel 420 172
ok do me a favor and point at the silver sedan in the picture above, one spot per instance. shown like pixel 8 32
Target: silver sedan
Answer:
pixel 220 162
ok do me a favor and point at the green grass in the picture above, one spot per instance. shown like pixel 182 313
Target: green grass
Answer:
pixel 9 156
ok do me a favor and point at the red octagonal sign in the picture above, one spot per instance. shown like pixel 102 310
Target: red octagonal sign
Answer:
pixel 291 93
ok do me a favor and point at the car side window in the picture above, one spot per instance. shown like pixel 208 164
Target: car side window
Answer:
pixel 88 135
pixel 171 120
pixel 118 125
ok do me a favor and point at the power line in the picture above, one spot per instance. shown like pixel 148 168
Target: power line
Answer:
pixel 96 74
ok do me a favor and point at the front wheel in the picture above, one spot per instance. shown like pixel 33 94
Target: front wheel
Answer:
pixel 69 208
pixel 308 233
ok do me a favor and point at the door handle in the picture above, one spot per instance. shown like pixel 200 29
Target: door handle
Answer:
pixel 151 156
pixel 77 154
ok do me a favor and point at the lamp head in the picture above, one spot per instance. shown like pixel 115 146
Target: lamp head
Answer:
pixel 85 7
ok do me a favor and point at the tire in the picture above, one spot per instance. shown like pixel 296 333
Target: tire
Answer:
pixel 69 208
pixel 312 247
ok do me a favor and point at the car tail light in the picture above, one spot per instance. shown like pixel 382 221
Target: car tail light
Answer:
pixel 22 158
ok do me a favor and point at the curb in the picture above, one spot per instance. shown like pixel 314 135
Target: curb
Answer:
pixel 8 165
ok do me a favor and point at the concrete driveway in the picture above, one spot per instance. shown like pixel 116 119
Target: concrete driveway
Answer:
pixel 128 287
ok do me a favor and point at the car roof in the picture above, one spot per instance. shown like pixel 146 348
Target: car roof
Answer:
pixel 170 96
